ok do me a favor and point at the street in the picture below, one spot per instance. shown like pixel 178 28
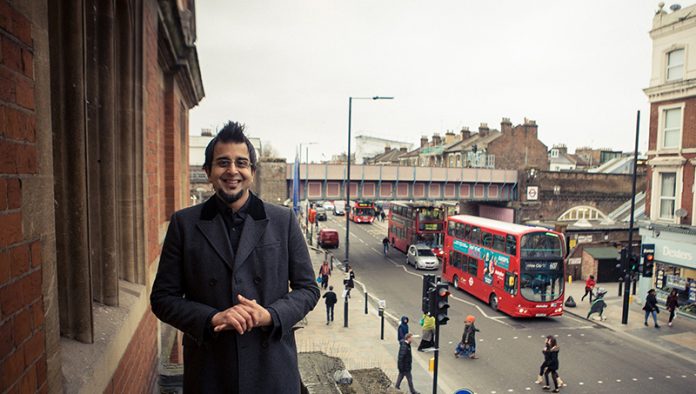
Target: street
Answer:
pixel 593 359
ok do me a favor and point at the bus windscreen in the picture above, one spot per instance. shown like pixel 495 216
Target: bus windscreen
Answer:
pixel 541 245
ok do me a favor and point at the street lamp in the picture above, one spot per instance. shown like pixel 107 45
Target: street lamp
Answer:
pixel 308 234
pixel 350 110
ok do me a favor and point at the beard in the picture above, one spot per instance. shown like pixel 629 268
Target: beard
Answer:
pixel 230 198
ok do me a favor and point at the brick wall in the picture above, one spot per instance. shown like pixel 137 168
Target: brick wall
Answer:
pixel 519 148
pixel 22 329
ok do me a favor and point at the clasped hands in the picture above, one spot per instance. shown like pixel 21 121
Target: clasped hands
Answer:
pixel 242 317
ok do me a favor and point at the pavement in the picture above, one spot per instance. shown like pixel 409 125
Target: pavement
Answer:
pixel 360 344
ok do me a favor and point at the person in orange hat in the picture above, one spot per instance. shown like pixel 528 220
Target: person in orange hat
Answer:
pixel 467 347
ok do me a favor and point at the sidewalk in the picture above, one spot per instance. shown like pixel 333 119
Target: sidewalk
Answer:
pixel 359 345
pixel 680 339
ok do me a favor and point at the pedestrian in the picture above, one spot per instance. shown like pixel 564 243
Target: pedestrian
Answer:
pixel 651 307
pixel 349 281
pixel 467 347
pixel 544 364
pixel 551 361
pixel 385 245
pixel 672 305
pixel 589 287
pixel 428 336
pixel 382 215
pixel 598 304
pixel 325 272
pixel 402 330
pixel 404 363
pixel 331 300
pixel 235 276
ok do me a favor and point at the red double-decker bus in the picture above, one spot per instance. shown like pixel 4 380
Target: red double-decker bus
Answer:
pixel 516 269
pixel 362 211
pixel 416 223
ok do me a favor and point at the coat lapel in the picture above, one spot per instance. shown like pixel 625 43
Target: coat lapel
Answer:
pixel 251 235
pixel 215 232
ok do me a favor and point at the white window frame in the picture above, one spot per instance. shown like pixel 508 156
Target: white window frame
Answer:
pixel 656 192
pixel 661 128
pixel 668 67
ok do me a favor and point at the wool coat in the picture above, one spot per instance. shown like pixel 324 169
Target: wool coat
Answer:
pixel 199 275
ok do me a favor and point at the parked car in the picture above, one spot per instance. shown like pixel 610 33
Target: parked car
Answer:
pixel 338 211
pixel 327 238
pixel 321 214
pixel 422 257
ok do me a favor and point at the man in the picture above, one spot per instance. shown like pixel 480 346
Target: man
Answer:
pixel 223 280
pixel 385 245
pixel 404 363
pixel 331 300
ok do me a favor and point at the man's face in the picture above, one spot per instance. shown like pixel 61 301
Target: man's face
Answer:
pixel 231 173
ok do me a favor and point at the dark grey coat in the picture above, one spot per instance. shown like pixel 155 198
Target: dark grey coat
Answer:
pixel 199 276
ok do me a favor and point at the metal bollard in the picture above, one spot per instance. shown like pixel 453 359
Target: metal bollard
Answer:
pixel 381 332
pixel 366 303
pixel 345 310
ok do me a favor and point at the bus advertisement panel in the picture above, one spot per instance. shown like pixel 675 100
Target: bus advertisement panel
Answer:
pixel 416 223
pixel 516 269
pixel 362 211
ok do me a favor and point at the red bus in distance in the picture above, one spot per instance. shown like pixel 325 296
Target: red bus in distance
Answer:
pixel 412 223
pixel 516 269
pixel 362 211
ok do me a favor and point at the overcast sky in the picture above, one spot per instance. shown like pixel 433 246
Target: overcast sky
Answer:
pixel 287 68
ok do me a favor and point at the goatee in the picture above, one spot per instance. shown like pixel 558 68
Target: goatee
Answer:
pixel 230 198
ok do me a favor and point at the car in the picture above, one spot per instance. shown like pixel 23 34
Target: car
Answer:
pixel 338 211
pixel 321 214
pixel 422 257
pixel 327 238
pixel 328 205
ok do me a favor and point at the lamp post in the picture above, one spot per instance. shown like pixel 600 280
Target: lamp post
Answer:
pixel 350 110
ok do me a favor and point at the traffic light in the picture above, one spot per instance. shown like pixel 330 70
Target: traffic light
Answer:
pixel 633 263
pixel 428 285
pixel 648 262
pixel 440 305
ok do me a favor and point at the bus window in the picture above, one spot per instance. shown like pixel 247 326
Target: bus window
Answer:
pixel 450 228
pixel 486 239
pixel 475 235
pixel 499 243
pixel 511 245
pixel 472 265
pixel 467 232
pixel 541 245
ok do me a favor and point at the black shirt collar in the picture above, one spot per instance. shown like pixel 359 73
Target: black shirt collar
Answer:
pixel 224 209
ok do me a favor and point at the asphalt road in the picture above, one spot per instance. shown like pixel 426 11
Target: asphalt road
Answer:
pixel 593 359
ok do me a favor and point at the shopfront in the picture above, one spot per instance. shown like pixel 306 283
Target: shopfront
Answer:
pixel 675 268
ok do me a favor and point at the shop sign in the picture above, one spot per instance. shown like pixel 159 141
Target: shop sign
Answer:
pixel 692 294
pixel 584 239
pixel 574 261
pixel 682 253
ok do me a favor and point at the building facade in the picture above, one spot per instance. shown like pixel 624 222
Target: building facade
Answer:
pixel 94 101
pixel 671 205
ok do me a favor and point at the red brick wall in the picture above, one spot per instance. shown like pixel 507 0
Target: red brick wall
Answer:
pixel 22 331
pixel 137 371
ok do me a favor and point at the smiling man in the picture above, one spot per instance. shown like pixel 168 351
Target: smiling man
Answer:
pixel 235 276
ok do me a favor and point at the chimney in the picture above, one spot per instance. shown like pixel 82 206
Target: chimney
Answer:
pixel 206 132
pixel 505 125
pixel 465 133
pixel 483 129
pixel 387 149
pixel 449 137
pixel 561 148
pixel 436 139
pixel 531 126
pixel 424 141
pixel 403 149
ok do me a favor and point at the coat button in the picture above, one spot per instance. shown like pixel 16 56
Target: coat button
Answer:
pixel 257 280
pixel 212 282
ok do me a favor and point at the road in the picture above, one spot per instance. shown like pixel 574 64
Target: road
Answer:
pixel 593 359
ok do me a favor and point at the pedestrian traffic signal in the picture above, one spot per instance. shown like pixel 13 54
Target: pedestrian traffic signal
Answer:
pixel 648 263
pixel 441 304
pixel 634 262
pixel 428 285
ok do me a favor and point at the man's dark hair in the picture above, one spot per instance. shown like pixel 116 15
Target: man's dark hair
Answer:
pixel 230 132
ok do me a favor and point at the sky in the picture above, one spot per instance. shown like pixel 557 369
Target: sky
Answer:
pixel 287 68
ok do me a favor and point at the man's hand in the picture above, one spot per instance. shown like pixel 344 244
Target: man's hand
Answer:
pixel 242 317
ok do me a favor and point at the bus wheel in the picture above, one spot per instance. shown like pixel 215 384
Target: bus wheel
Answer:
pixel 493 301
pixel 455 282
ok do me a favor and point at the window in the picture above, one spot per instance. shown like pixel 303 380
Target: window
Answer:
pixel 511 245
pixel 499 243
pixel 675 65
pixel 668 194
pixel 671 127
pixel 487 239
pixel 475 236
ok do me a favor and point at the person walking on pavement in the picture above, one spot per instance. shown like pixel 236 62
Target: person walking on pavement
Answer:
pixel 385 245
pixel 402 330
pixel 672 305
pixel 382 215
pixel 467 347
pixel 325 272
pixel 428 337
pixel 551 360
pixel 651 307
pixel 404 363
pixel 589 287
pixel 349 281
pixel 331 300
pixel 598 304
pixel 542 368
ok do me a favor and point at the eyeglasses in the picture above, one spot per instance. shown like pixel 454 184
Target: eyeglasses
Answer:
pixel 240 163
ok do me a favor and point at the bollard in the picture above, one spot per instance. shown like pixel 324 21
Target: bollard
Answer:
pixel 381 331
pixel 570 279
pixel 345 310
pixel 431 364
pixel 366 302
pixel 621 286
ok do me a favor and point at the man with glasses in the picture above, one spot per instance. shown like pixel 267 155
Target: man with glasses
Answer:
pixel 235 276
